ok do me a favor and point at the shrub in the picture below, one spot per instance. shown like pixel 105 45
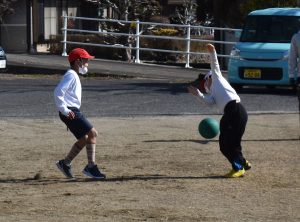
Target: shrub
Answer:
pixel 166 32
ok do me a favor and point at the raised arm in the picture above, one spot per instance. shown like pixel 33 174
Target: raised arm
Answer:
pixel 214 63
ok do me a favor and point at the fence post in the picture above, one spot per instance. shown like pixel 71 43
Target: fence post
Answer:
pixel 188 46
pixel 137 46
pixel 65 36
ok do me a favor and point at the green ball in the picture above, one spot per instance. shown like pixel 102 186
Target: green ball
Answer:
pixel 209 128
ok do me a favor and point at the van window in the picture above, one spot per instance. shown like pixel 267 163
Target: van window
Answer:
pixel 271 29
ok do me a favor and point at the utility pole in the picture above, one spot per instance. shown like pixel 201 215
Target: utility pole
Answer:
pixel 31 49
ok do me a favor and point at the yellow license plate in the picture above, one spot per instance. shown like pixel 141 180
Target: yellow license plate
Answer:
pixel 252 73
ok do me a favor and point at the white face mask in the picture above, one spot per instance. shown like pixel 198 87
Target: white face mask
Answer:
pixel 83 70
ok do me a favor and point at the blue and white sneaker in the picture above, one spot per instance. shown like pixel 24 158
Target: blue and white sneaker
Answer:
pixel 93 172
pixel 64 168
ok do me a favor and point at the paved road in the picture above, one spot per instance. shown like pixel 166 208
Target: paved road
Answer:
pixel 154 90
pixel 128 97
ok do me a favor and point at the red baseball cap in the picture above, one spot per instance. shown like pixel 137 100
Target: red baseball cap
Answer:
pixel 79 53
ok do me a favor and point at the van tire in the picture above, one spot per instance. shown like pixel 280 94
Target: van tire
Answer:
pixel 271 87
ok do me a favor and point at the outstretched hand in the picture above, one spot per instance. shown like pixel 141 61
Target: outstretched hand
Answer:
pixel 210 47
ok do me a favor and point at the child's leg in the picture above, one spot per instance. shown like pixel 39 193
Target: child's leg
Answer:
pixel 225 138
pixel 239 129
pixel 75 150
pixel 91 146
pixel 232 128
pixel 92 170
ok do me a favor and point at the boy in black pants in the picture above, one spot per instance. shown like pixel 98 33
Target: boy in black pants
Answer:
pixel 234 119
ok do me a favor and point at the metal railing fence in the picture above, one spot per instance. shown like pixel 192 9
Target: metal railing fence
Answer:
pixel 139 34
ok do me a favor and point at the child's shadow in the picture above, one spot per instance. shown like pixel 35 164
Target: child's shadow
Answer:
pixel 206 141
pixel 51 180
pixel 159 177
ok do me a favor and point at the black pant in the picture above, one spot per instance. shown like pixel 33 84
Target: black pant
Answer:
pixel 232 128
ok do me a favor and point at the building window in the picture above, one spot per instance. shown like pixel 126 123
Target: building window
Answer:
pixel 50 22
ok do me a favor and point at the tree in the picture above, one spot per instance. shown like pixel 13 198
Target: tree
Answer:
pixel 186 14
pixel 142 10
pixel 5 8
pixel 204 11
pixel 130 9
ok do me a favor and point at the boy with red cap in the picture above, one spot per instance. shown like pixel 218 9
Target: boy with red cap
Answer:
pixel 234 119
pixel 67 96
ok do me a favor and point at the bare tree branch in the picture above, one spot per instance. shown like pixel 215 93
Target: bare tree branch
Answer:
pixel 5 8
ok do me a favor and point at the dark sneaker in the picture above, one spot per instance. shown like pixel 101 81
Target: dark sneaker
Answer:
pixel 64 168
pixel 93 172
pixel 247 165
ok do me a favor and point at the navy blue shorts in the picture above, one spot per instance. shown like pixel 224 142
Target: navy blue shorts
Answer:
pixel 79 126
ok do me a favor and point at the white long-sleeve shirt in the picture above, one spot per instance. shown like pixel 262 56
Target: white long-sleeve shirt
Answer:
pixel 221 92
pixel 68 92
pixel 294 56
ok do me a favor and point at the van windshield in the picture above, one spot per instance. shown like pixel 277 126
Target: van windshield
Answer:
pixel 272 29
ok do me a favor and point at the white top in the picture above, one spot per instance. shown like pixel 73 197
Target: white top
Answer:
pixel 68 92
pixel 294 56
pixel 221 92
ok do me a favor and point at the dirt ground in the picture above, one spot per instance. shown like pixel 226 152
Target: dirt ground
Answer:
pixel 158 169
